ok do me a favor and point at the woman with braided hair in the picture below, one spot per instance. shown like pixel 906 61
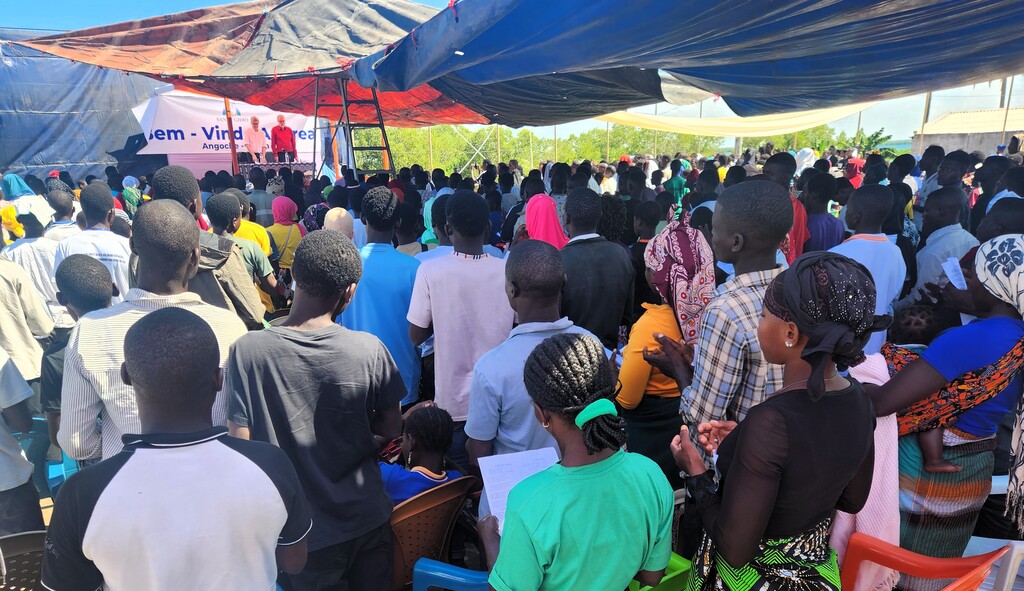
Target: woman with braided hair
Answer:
pixel 801 454
pixel 599 518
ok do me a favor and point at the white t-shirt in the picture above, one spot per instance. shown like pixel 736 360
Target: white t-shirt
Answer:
pixel 60 230
pixel 104 246
pixel 36 256
pixel 884 261
pixel 463 297
pixel 15 469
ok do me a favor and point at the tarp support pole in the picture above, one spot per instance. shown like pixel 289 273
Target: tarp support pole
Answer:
pixel 499 143
pixel 556 143
pixel 334 148
pixel 231 137
pixel 924 120
pixel 738 148
pixel 430 146
pixel 1006 113
pixel 316 122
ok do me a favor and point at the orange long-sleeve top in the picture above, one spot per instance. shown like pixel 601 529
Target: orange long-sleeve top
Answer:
pixel 639 378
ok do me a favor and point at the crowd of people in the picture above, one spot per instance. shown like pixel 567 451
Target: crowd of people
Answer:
pixel 253 372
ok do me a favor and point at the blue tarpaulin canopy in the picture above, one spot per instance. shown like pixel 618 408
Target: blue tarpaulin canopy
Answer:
pixel 541 62
pixel 761 57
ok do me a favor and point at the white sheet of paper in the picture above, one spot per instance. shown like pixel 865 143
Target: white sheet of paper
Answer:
pixel 951 267
pixel 502 472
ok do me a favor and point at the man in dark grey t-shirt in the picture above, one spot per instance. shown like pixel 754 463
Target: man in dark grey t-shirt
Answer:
pixel 329 397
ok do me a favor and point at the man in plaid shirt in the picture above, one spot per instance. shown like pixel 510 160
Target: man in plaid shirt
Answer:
pixel 730 374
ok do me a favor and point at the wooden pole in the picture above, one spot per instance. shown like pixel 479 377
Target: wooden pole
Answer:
pixel 430 145
pixel 532 161
pixel 556 143
pixel 859 113
pixel 1006 113
pixel 334 148
pixel 231 137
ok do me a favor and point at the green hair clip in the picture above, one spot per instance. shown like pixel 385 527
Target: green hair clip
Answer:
pixel 597 408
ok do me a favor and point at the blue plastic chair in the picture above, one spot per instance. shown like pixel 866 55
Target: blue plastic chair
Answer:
pixel 430 573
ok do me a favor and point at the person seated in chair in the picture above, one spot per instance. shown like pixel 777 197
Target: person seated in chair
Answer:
pixel 426 437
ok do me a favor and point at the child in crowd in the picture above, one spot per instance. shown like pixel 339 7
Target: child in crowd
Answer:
pixel 83 285
pixel 426 437
pixel 826 231
pixel 868 209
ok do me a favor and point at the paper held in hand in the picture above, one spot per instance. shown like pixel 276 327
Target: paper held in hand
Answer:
pixel 502 472
pixel 951 267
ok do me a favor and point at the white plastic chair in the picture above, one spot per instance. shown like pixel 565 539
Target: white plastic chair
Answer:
pixel 1008 566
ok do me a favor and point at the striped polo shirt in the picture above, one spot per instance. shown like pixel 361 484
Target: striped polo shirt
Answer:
pixel 176 511
pixel 92 387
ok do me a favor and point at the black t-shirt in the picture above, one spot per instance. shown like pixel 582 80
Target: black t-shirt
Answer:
pixel 787 466
pixel 314 394
pixel 598 292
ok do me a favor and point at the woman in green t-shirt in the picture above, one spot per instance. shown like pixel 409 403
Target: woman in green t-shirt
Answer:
pixel 599 518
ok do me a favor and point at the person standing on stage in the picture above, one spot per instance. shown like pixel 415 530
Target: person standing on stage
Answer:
pixel 255 140
pixel 282 141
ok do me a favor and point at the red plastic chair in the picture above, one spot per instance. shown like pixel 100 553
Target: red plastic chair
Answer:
pixel 969 572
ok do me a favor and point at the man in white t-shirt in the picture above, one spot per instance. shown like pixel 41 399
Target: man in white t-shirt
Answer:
pixel 19 500
pixel 460 300
pixel 35 254
pixel 255 140
pixel 97 240
pixel 867 210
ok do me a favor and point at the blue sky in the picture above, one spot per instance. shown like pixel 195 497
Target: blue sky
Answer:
pixel 899 117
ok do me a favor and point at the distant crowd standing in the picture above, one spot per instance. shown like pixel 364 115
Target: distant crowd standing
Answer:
pixel 252 372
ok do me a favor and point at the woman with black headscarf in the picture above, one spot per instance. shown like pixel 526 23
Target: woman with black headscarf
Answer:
pixel 801 454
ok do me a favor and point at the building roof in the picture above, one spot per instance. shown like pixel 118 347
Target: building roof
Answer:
pixel 985 121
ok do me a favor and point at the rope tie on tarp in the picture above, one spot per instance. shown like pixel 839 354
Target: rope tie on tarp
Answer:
pixel 451 6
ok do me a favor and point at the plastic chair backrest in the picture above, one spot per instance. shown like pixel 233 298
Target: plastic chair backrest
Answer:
pixel 422 526
pixel 21 558
pixel 969 572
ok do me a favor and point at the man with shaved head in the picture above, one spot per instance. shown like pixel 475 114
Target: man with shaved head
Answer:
pixel 500 417
pixel 166 241
pixel 340 220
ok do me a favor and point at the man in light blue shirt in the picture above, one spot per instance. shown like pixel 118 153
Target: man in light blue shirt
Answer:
pixel 501 418
pixel 385 290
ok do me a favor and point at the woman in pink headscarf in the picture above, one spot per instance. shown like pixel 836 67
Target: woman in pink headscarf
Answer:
pixel 680 269
pixel 285 232
pixel 542 221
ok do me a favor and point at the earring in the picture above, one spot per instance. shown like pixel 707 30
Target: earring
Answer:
pixel 545 424
pixel 408 461
pixel 789 345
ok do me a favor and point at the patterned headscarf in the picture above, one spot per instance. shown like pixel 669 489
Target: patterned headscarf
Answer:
pixel 55 184
pixel 276 186
pixel 831 299
pixel 999 266
pixel 684 273
pixel 314 216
